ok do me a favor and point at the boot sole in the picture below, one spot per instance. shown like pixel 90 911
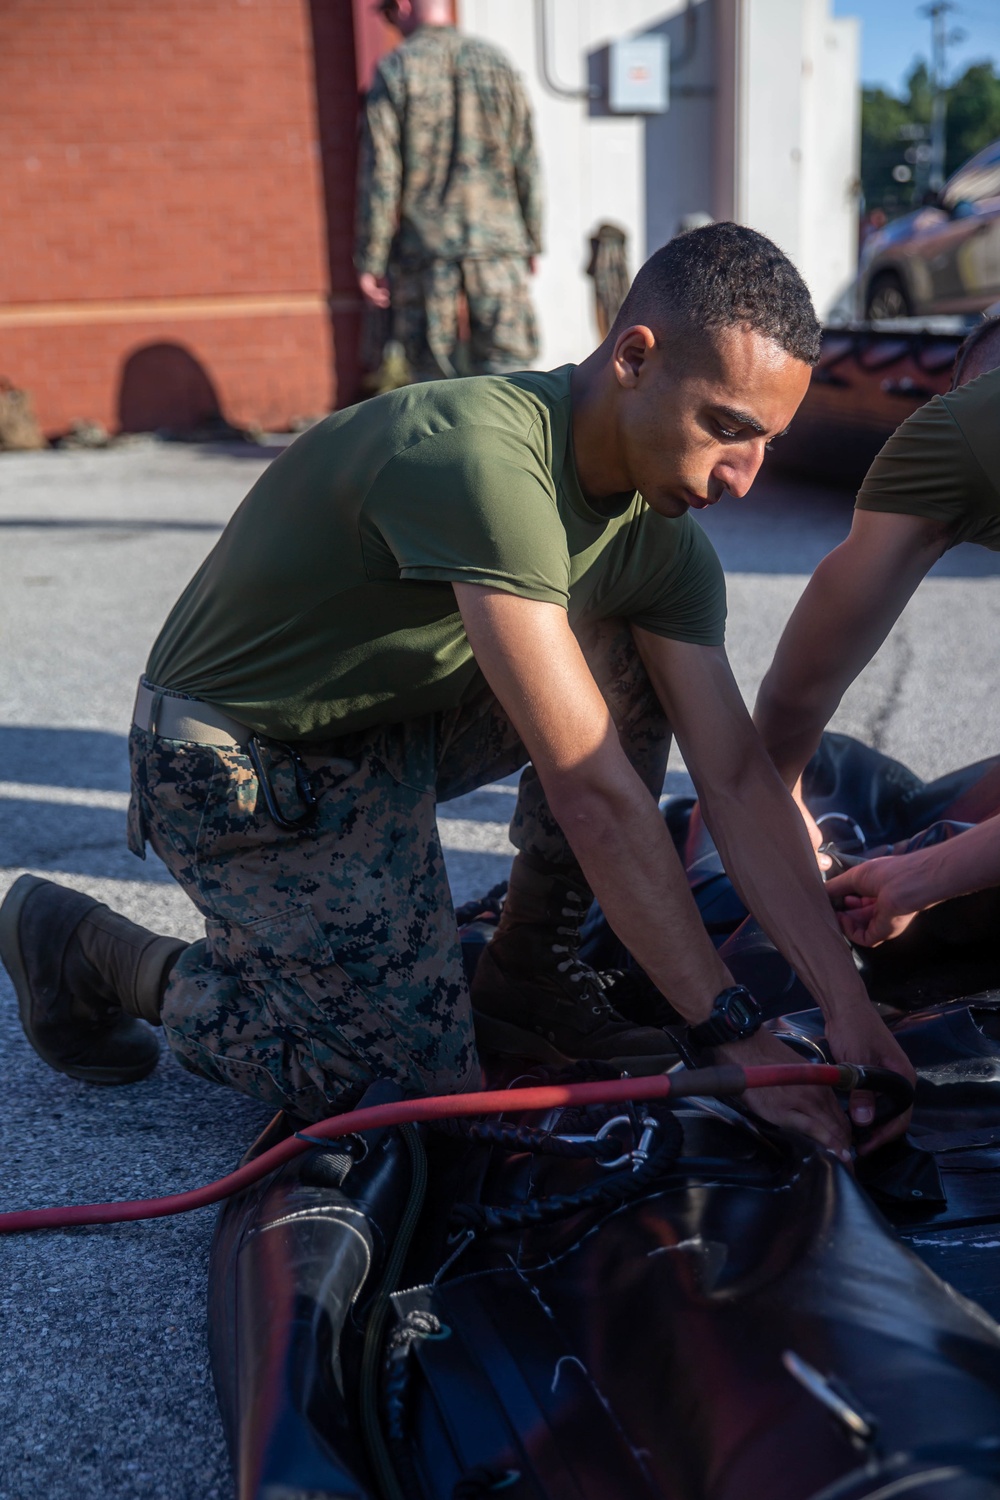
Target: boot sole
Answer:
pixel 10 953
pixel 501 1037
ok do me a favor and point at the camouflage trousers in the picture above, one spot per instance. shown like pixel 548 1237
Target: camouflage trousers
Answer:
pixel 502 334
pixel 331 955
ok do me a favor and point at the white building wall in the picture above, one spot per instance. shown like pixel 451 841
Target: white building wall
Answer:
pixel 762 127
pixel 769 140
pixel 831 156
pixel 594 165
pixel 790 117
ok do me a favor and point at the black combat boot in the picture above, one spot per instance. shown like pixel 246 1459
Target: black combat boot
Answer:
pixel 83 976
pixel 534 997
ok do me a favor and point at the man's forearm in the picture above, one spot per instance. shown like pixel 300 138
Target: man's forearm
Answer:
pixel 791 731
pixel 626 853
pixel 969 862
pixel 845 613
pixel 766 853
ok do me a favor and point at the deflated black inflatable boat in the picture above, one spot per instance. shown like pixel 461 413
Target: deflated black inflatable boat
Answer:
pixel 669 1302
pixel 733 1320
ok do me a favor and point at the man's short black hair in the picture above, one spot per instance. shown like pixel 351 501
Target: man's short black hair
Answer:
pixel 973 341
pixel 724 276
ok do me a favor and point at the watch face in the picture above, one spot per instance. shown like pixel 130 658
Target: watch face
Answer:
pixel 740 1013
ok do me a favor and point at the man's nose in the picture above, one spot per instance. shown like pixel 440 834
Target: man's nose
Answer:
pixel 737 472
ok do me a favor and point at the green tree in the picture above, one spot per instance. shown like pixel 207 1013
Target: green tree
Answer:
pixel 973 114
pixel 889 124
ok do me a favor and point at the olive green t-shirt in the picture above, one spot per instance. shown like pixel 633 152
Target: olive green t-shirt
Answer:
pixel 326 605
pixel 944 463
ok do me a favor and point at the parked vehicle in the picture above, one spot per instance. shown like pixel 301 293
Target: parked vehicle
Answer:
pixel 944 257
pixel 868 380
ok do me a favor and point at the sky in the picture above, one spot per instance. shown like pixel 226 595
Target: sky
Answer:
pixel 894 33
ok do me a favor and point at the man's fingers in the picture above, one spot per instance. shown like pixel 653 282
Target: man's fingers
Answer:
pixel 812 1111
pixel 887 1132
pixel 853 927
pixel 862 1107
pixel 844 887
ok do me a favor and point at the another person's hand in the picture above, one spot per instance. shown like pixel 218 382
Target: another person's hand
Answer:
pixel 374 289
pixel 876 900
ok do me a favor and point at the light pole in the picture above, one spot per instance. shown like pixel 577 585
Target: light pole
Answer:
pixel 940 37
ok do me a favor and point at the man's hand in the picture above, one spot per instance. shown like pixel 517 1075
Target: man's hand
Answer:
pixel 861 1039
pixel 876 900
pixel 813 1111
pixel 881 897
pixel 860 1036
pixel 374 289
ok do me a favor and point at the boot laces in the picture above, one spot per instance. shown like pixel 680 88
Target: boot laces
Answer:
pixel 575 969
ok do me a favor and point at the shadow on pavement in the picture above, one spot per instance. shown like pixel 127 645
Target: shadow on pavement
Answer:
pixel 73 839
pixel 38 755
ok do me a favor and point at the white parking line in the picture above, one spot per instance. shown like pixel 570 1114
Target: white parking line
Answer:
pixel 74 796
pixel 459 834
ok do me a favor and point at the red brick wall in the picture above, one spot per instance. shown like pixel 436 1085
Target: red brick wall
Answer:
pixel 265 370
pixel 169 152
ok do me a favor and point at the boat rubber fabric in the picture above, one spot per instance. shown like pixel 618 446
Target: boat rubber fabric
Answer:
pixel 720 1311
pixel 742 1323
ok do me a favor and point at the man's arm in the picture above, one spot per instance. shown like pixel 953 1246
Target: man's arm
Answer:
pixel 848 608
pixel 379 187
pixel 763 844
pixel 527 176
pixel 534 664
pixel 882 896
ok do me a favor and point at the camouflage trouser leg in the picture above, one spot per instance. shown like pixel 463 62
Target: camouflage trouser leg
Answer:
pixel 331 955
pixel 425 317
pixel 502 330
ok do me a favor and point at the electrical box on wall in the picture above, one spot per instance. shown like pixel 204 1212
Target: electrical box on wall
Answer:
pixel 639 75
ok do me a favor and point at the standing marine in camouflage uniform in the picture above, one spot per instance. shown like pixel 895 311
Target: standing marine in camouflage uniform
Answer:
pixel 425 592
pixel 448 198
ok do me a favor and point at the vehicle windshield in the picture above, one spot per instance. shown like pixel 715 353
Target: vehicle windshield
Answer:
pixel 978 179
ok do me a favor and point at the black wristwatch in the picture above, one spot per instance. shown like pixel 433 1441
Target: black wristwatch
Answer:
pixel 735 1015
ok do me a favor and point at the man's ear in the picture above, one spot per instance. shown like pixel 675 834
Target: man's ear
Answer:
pixel 631 352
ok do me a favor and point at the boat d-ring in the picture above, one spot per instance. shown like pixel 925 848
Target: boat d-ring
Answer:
pixel 843 817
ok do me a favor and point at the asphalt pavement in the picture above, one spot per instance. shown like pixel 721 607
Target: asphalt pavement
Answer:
pixel 105 1387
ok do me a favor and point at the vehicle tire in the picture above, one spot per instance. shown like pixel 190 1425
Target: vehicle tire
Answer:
pixel 887 298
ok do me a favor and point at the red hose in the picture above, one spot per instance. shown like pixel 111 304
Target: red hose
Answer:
pixel 703 1081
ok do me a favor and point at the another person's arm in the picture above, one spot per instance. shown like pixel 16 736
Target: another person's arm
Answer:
pixel 882 896
pixel 378 195
pixel 527 175
pixel 534 664
pixel 848 608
